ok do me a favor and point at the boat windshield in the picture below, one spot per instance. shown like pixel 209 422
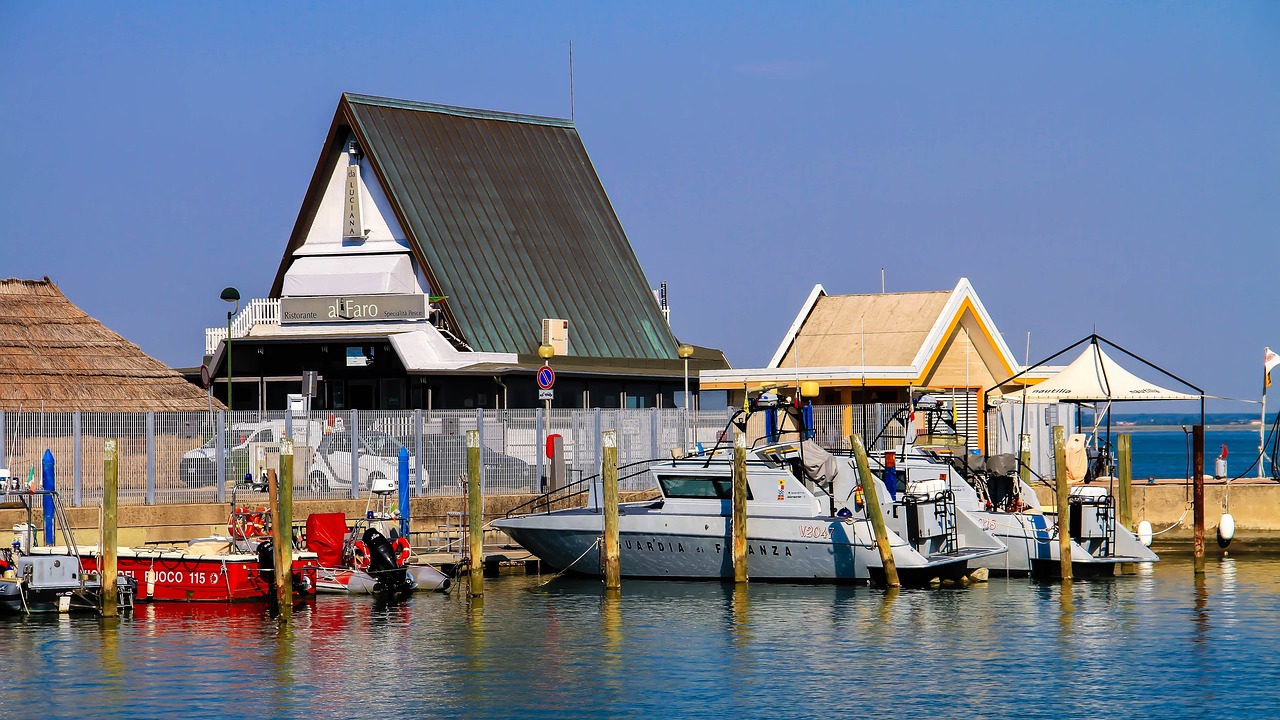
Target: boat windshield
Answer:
pixel 698 487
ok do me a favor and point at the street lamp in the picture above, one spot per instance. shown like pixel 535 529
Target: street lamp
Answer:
pixel 546 352
pixel 230 295
pixel 685 351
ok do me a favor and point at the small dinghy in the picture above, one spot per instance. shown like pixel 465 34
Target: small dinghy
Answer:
pixel 371 558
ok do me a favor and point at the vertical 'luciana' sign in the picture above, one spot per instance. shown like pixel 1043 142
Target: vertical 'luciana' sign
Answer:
pixel 353 223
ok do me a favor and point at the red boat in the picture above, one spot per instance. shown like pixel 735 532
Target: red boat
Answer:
pixel 207 570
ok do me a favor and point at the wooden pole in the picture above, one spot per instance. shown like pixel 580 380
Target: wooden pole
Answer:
pixel 1124 450
pixel 1197 498
pixel 282 529
pixel 739 518
pixel 609 471
pixel 1024 460
pixel 110 498
pixel 1064 509
pixel 475 516
pixel 875 512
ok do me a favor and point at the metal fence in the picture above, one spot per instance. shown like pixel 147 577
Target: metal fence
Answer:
pixel 173 458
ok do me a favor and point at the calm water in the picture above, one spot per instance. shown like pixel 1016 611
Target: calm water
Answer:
pixel 1150 645
pixel 1168 454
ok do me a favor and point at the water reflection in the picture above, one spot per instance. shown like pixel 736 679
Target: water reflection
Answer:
pixel 1202 610
pixel 669 649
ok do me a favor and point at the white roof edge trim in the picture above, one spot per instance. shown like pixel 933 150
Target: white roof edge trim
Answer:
pixel 964 289
pixel 817 292
pixel 824 373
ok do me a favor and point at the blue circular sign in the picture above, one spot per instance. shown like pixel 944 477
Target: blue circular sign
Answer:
pixel 546 377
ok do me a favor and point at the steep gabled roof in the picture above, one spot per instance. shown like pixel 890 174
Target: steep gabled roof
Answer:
pixel 54 356
pixel 905 335
pixel 873 330
pixel 507 218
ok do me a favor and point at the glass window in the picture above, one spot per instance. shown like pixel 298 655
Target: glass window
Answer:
pixel 684 486
pixel 339 443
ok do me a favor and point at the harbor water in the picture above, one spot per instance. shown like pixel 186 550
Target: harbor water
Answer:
pixel 1149 645
pixel 1163 454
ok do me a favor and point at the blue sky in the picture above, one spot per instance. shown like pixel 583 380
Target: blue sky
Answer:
pixel 1086 165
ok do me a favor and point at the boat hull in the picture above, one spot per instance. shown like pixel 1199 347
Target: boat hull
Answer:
pixel 348 581
pixel 1033 548
pixel 174 576
pixel 698 547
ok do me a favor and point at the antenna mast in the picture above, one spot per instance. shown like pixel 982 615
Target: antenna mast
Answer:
pixel 571 99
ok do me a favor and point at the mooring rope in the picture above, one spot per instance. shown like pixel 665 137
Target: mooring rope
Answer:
pixel 1176 523
pixel 591 547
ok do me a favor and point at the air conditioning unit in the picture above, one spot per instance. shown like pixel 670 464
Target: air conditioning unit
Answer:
pixel 556 334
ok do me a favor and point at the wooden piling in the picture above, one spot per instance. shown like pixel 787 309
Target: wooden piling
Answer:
pixel 282 529
pixel 739 519
pixel 1024 460
pixel 875 513
pixel 475 517
pixel 110 518
pixel 609 473
pixel 1125 455
pixel 1064 504
pixel 1197 497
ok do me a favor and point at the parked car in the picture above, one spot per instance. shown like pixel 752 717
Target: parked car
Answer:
pixel 379 458
pixel 199 467
pixel 445 459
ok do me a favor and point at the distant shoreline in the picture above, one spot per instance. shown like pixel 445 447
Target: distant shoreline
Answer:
pixel 1175 428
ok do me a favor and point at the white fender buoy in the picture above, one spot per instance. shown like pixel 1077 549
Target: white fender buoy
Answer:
pixel 1144 533
pixel 1226 529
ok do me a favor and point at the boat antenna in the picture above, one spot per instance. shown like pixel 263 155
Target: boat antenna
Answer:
pixel 881 281
pixel 571 99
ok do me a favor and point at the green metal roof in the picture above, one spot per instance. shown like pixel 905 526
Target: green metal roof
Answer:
pixel 510 221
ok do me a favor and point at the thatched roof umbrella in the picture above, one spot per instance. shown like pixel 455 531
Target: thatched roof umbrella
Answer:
pixel 54 356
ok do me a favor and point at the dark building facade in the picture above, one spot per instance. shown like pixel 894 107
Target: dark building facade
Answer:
pixel 436 251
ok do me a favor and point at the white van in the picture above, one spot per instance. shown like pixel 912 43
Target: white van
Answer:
pixel 199 467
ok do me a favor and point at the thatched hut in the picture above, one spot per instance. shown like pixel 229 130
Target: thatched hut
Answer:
pixel 55 357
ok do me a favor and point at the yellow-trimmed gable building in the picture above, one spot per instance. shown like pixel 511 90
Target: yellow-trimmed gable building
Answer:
pixel 864 349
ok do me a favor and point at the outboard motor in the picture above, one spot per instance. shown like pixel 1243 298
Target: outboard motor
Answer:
pixel 267 569
pixel 267 562
pixel 1000 483
pixel 383 564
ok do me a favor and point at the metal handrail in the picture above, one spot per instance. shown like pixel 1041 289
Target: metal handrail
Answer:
pixel 545 499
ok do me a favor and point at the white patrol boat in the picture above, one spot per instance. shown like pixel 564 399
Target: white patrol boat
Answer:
pixel 991 491
pixel 797 528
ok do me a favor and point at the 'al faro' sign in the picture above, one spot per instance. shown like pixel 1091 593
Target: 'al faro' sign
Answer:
pixel 355 308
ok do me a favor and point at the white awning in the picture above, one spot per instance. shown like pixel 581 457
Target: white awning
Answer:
pixel 1094 376
pixel 426 350
pixel 350 275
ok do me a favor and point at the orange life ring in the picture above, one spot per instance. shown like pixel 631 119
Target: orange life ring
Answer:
pixel 401 546
pixel 253 526
pixel 242 524
pixel 360 554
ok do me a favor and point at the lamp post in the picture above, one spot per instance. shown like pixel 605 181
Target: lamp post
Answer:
pixel 230 295
pixel 546 352
pixel 685 351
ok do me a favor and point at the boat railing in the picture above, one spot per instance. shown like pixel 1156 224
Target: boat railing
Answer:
pixel 565 495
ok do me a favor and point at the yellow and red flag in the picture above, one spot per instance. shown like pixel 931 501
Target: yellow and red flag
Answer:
pixel 1269 362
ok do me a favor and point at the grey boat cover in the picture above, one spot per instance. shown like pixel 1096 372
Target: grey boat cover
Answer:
pixel 820 466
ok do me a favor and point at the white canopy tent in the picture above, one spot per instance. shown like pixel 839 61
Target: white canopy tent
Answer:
pixel 1094 377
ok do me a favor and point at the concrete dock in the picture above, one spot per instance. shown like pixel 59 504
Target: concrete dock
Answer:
pixel 436 529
